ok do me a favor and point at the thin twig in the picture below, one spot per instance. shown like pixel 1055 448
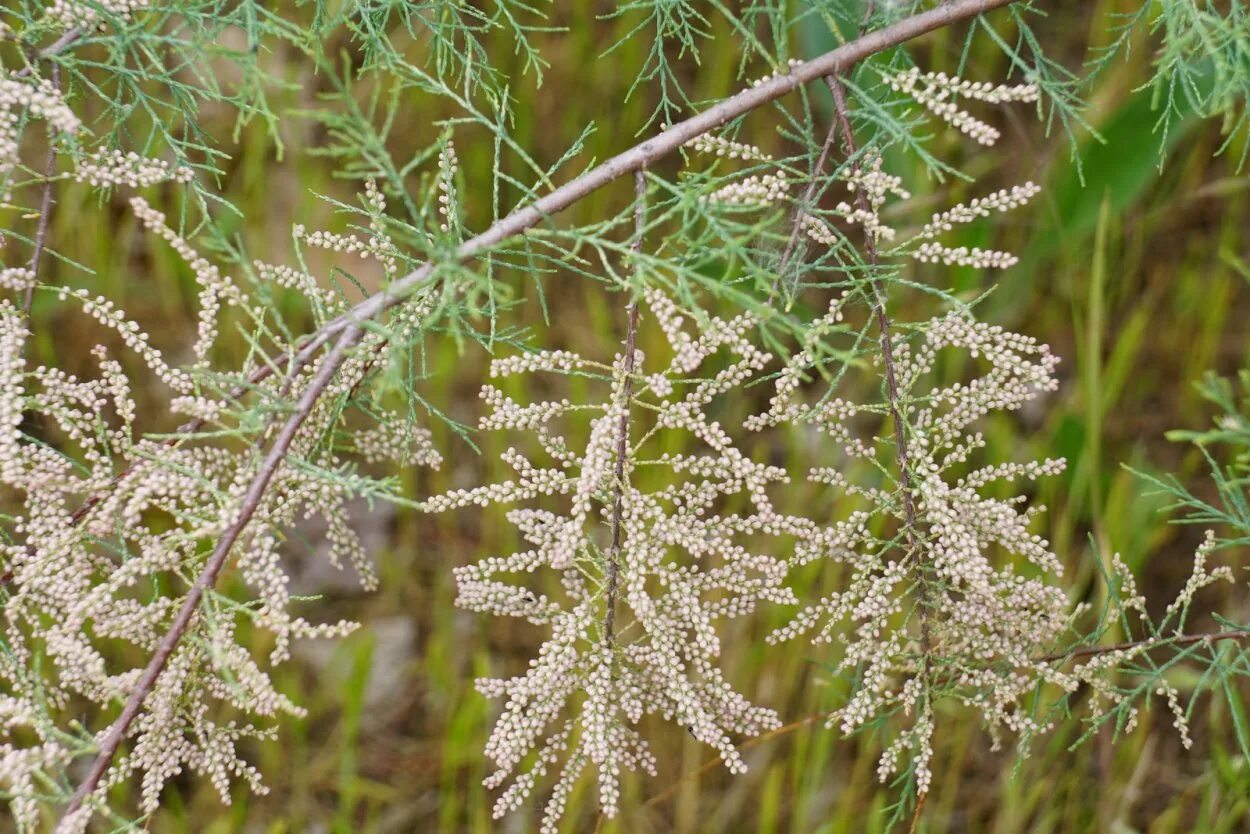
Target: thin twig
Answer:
pixel 1149 643
pixel 916 815
pixel 801 211
pixel 870 9
pixel 622 428
pixel 45 212
pixel 754 741
pixel 901 456
pixel 67 39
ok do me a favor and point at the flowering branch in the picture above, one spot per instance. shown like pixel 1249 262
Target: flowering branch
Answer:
pixel 633 160
pixel 910 523
pixel 347 328
pixel 208 576
pixel 842 115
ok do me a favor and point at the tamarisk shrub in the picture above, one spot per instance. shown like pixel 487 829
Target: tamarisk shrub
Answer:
pixel 650 518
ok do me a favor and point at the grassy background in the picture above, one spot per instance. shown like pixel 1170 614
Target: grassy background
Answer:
pixel 1136 277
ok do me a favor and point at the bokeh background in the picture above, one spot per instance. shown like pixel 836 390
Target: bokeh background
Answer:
pixel 1134 269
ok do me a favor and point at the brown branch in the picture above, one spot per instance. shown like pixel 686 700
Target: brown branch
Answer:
pixel 622 428
pixel 45 211
pixel 800 212
pixel 1149 643
pixel 348 327
pixel 916 815
pixel 870 9
pixel 902 458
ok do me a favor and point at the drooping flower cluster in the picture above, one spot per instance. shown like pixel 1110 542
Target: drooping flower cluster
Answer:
pixel 70 13
pixel 967 605
pixel 645 574
pixel 113 526
pixel 22 98
pixel 939 93
pixel 933 583
pixel 114 168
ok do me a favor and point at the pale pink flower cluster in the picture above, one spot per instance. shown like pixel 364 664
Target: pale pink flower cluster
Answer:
pixel 399 442
pixel 761 190
pixel 35 98
pixel 978 609
pixel 726 148
pixel 939 92
pixel 115 167
pixel 69 13
pixel 681 565
pixel 875 185
pixel 102 510
pixel 448 198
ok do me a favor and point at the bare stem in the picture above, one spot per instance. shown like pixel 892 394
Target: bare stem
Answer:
pixel 622 428
pixel 800 212
pixel 1148 643
pixel 45 211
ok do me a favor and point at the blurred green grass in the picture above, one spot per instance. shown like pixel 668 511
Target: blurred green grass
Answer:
pixel 1130 272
